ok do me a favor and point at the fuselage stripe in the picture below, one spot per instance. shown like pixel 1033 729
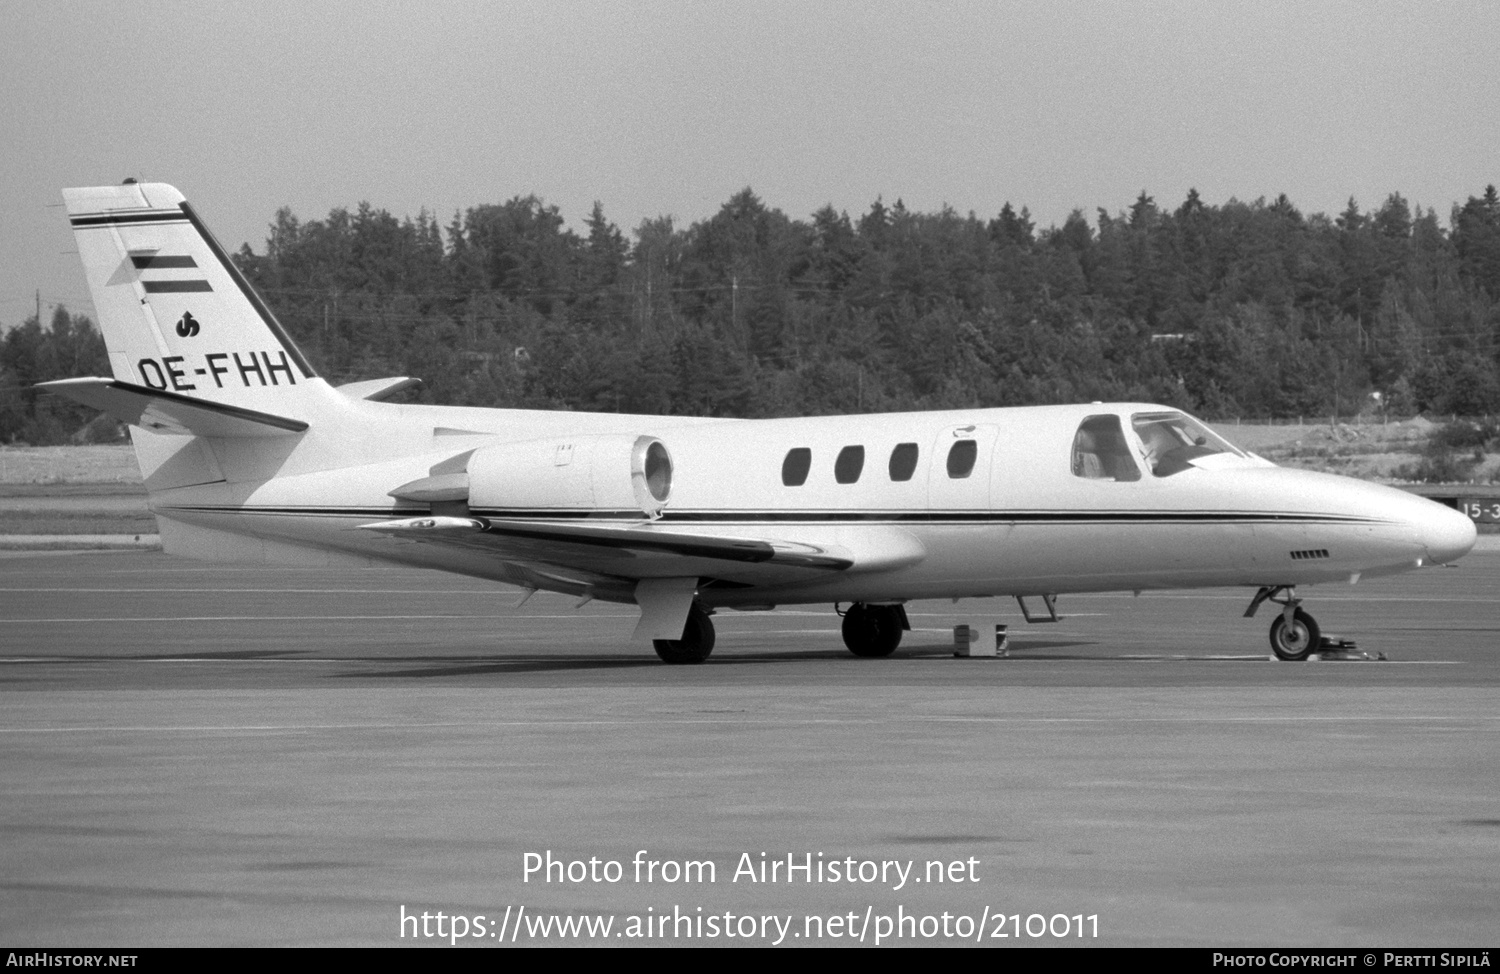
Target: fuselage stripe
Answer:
pixel 811 517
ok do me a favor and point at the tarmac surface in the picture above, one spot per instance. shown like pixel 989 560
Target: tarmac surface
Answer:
pixel 210 755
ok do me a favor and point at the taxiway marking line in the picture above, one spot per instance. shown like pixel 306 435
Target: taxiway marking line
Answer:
pixel 923 631
pixel 1320 597
pixel 584 616
pixel 174 590
pixel 806 721
pixel 314 618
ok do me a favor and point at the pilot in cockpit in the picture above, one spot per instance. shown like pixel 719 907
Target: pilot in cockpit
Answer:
pixel 1169 445
pixel 1160 443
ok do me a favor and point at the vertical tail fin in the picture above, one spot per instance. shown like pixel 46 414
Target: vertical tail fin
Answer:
pixel 177 315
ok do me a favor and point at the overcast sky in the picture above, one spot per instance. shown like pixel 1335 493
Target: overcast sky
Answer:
pixel 659 108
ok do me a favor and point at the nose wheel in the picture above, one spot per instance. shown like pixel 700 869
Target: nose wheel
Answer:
pixel 1293 640
pixel 1294 633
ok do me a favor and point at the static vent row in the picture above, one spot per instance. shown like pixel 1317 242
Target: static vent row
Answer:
pixel 1310 553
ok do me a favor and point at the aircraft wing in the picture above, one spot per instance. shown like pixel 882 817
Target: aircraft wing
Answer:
pixel 171 412
pixel 629 552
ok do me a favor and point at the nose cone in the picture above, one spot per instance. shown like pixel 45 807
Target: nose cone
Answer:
pixel 1447 534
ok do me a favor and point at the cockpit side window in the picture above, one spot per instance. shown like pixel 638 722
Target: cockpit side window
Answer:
pixel 1100 451
pixel 1171 441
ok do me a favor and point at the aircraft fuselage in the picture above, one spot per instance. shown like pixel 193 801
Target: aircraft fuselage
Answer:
pixel 1020 521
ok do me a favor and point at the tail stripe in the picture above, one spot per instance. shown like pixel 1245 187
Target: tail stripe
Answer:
pixel 145 216
pixel 250 295
pixel 175 287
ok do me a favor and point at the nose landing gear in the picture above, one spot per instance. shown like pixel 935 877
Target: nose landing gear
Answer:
pixel 1295 634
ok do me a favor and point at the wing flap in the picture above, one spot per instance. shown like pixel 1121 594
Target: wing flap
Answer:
pixel 628 551
pixel 170 412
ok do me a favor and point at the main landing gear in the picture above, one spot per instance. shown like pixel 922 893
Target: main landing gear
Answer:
pixel 874 630
pixel 1294 633
pixel 696 643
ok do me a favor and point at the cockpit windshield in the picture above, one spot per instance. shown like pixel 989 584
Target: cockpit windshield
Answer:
pixel 1171 442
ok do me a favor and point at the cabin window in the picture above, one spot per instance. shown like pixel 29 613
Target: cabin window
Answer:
pixel 961 457
pixel 903 462
pixel 795 467
pixel 1100 451
pixel 849 465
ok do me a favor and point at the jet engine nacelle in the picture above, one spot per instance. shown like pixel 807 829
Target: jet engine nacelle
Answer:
pixel 580 473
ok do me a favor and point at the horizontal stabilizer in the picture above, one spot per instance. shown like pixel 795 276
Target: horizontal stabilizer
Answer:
pixel 171 412
pixel 378 390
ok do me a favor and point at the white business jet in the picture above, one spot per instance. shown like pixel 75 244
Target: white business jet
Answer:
pixel 249 456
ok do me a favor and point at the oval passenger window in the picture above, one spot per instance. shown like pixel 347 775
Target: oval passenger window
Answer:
pixel 849 465
pixel 795 467
pixel 903 461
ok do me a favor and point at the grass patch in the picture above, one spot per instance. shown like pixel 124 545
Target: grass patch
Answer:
pixel 63 522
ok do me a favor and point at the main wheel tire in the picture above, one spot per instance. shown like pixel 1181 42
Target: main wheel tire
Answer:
pixel 872 631
pixel 1297 641
pixel 696 643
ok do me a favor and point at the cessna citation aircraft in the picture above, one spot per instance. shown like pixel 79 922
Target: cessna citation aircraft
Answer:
pixel 249 456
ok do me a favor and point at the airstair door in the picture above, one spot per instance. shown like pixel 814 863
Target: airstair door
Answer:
pixel 958 478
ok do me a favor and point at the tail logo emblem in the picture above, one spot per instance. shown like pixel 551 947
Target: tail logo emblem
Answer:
pixel 187 325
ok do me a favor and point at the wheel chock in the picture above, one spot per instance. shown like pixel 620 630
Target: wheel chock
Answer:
pixel 968 645
pixel 966 642
pixel 1336 649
